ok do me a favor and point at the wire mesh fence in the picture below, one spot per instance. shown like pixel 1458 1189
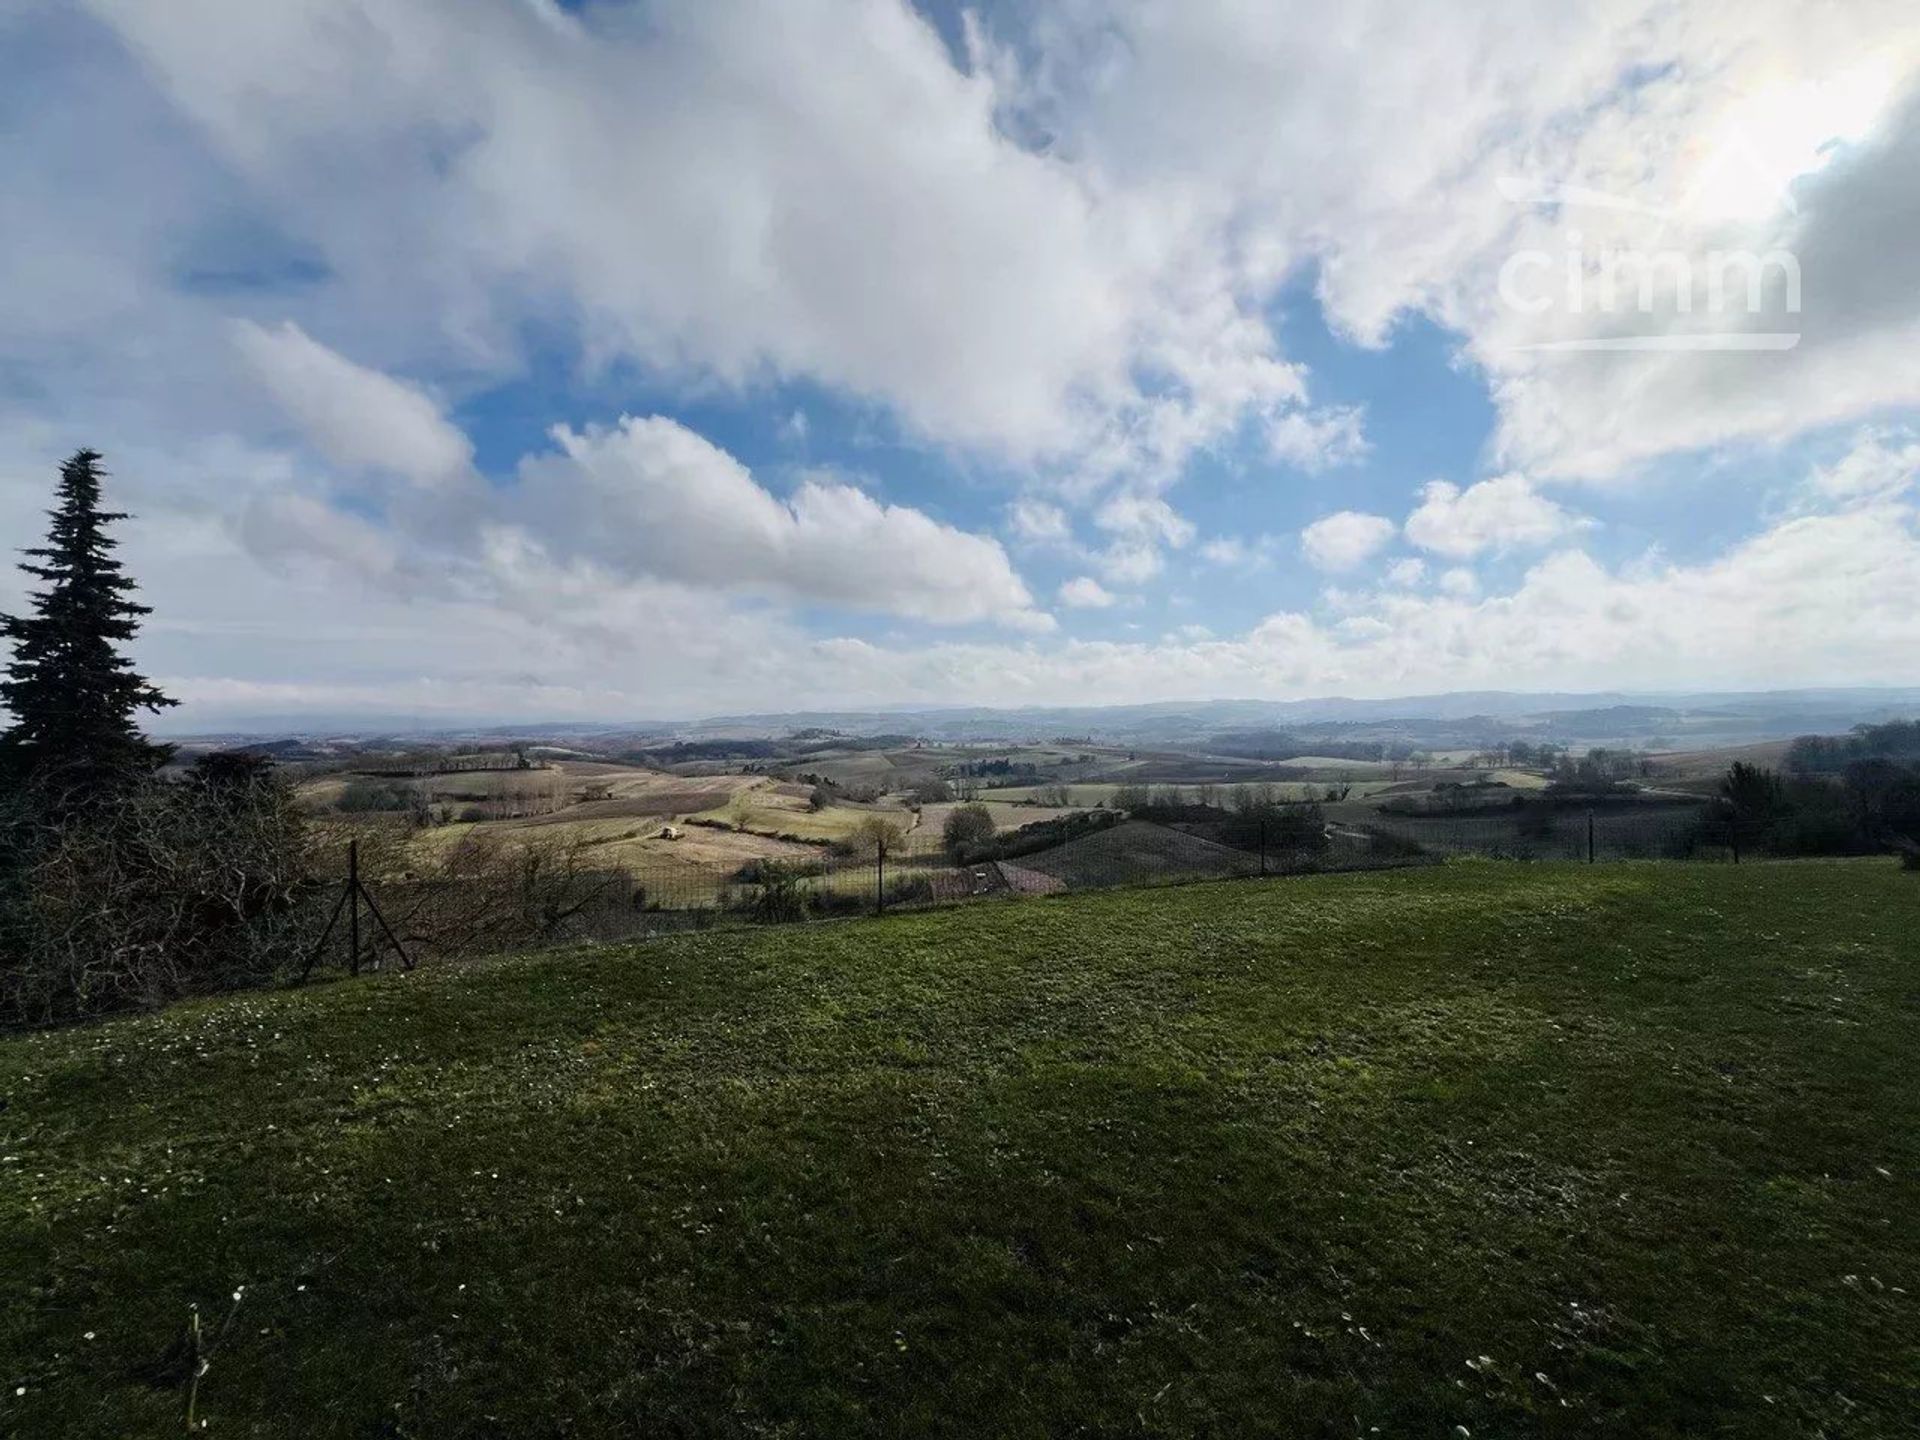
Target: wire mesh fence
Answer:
pixel 519 904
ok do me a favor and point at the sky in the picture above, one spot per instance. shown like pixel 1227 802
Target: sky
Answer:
pixel 530 361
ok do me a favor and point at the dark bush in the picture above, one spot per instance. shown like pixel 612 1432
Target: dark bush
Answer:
pixel 1041 835
pixel 758 870
pixel 364 796
pixel 1386 844
pixel 967 827
pixel 780 897
pixel 1277 828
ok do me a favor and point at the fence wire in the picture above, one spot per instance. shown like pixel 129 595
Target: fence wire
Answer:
pixel 636 900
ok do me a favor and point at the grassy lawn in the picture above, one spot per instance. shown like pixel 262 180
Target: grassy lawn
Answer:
pixel 1623 1150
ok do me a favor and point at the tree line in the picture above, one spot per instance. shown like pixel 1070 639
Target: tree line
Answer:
pixel 1871 806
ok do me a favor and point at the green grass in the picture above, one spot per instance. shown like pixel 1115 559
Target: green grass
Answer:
pixel 1616 1150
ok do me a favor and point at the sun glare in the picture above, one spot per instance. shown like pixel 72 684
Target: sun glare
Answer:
pixel 1778 132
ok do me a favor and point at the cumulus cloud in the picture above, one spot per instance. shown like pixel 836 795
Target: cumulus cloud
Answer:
pixel 1087 593
pixel 1130 562
pixel 356 417
pixel 1881 463
pixel 1832 282
pixel 647 498
pixel 1062 243
pixel 1234 553
pixel 1702 120
pixel 650 497
pixel 1815 598
pixel 1058 244
pixel 1503 513
pixel 1345 540
pixel 1038 522
pixel 1317 439
pixel 733 189
pixel 1147 518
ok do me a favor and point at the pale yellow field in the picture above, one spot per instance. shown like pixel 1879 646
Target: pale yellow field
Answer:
pixel 1085 797
pixel 1334 766
pixel 869 767
pixel 783 809
pixel 636 844
pixel 714 854
pixel 1519 779
pixel 1006 816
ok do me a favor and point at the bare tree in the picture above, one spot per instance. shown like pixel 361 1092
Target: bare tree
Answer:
pixel 181 887
pixel 875 835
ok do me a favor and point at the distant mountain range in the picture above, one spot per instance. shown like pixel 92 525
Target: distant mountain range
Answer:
pixel 1664 721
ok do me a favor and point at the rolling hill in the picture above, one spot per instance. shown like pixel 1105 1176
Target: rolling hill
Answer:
pixel 1475 1149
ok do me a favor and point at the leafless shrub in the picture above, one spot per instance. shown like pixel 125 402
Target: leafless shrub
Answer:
pixel 174 888
pixel 485 892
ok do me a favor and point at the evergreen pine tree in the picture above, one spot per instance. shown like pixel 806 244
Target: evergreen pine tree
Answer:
pixel 72 693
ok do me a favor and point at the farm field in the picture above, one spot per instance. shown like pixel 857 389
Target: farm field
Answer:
pixel 688 835
pixel 622 811
pixel 1006 814
pixel 1086 796
pixel 1624 1150
pixel 1710 765
pixel 1137 853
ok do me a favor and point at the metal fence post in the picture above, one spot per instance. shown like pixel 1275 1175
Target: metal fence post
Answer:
pixel 353 906
pixel 1589 835
pixel 1263 845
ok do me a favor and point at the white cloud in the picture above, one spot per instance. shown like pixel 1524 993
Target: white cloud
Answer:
pixel 298 530
pixel 1881 464
pixel 1459 581
pixel 1275 122
pixel 1130 562
pixel 1144 517
pixel 1822 599
pixel 1233 553
pixel 1038 522
pixel 1317 439
pixel 1227 550
pixel 356 417
pixel 1503 513
pixel 1345 540
pixel 733 190
pixel 514 632
pixel 744 192
pixel 1087 593
pixel 1061 250
pixel 649 497
pixel 1407 573
pixel 1140 524
pixel 1854 335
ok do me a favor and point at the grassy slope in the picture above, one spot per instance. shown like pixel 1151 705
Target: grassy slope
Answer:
pixel 1276 1157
